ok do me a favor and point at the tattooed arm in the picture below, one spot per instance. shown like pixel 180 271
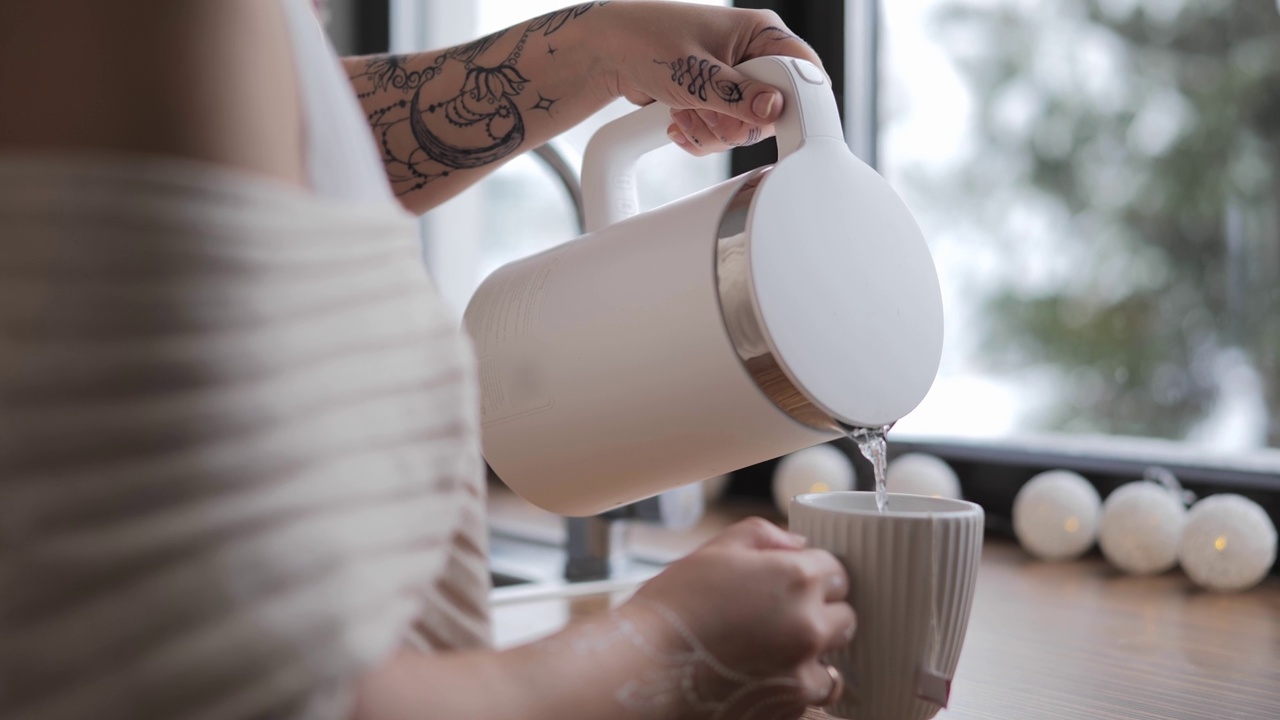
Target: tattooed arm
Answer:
pixel 444 119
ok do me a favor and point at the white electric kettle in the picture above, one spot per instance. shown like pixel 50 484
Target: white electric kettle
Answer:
pixel 772 312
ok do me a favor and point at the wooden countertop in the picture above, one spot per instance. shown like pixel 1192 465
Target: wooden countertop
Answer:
pixel 1080 640
pixel 1063 641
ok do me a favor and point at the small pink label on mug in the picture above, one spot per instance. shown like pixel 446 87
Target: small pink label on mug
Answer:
pixel 933 688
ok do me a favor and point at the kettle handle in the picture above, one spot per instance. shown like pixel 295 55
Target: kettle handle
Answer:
pixel 608 166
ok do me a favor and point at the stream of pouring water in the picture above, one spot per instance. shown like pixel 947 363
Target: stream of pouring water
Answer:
pixel 871 441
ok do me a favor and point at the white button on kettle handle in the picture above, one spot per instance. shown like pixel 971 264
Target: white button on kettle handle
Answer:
pixel 809 72
pixel 608 167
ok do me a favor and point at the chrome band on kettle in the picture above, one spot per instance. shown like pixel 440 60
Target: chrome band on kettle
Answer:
pixel 742 319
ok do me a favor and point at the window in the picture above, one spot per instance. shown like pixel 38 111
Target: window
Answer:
pixel 1099 181
pixel 1100 184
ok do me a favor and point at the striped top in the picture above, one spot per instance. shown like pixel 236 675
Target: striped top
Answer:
pixel 238 441
pixel 344 165
pixel 238 446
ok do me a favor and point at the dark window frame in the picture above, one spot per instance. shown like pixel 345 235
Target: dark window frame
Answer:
pixel 360 27
pixel 372 31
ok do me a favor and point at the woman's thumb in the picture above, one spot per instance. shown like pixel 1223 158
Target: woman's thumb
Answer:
pixel 713 86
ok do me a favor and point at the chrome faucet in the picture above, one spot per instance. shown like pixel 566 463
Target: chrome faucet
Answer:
pixel 565 163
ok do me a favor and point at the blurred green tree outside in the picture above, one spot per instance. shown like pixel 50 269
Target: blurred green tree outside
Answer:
pixel 1146 133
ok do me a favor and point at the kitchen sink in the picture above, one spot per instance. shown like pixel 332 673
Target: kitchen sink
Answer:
pixel 527 569
pixel 501 579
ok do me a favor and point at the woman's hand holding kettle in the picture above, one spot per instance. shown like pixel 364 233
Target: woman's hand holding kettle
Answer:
pixel 683 55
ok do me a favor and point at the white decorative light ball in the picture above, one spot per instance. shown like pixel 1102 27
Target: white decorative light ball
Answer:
pixel 1229 543
pixel 921 474
pixel 682 508
pixel 1055 515
pixel 1141 527
pixel 821 468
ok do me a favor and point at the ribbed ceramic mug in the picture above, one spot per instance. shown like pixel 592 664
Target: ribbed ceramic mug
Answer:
pixel 912 571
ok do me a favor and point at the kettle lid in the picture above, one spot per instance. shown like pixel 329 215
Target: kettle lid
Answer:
pixel 844 286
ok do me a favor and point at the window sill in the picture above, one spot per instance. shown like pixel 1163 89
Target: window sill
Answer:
pixel 991 472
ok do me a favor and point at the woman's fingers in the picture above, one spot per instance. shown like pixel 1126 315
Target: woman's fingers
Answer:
pixel 818 684
pixel 730 131
pixel 691 130
pixel 700 138
pixel 836 588
pixel 842 621
pixel 711 119
pixel 756 533
pixel 818 571
pixel 679 138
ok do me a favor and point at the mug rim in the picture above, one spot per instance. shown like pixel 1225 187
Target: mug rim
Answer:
pixel 839 501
